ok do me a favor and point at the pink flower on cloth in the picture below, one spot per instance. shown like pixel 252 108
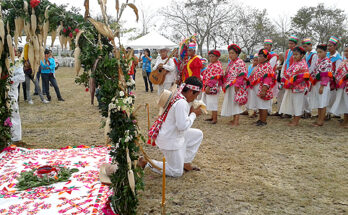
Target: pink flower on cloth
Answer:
pixel 8 122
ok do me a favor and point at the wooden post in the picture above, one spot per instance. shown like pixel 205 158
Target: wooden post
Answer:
pixel 163 203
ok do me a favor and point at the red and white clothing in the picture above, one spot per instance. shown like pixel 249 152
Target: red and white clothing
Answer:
pixel 296 84
pixel 192 68
pixel 176 139
pixel 235 77
pixel 212 78
pixel 340 105
pixel 321 76
pixel 263 75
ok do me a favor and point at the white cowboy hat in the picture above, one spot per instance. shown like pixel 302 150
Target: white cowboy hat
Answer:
pixel 165 98
pixel 105 171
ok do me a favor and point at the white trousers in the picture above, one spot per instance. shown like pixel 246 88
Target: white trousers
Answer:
pixel 292 104
pixel 165 85
pixel 16 129
pixel 175 159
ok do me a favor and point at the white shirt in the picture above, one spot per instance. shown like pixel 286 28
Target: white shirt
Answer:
pixel 170 66
pixel 314 60
pixel 171 134
pixel 273 61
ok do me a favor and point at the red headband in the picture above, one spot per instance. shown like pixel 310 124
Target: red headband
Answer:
pixel 301 48
pixel 235 47
pixel 215 52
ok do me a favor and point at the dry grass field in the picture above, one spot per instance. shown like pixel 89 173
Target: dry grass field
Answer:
pixel 244 170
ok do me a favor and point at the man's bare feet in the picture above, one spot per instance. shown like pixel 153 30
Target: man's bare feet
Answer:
pixel 317 124
pixel 189 167
pixel 142 162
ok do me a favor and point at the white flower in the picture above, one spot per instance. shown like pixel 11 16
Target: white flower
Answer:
pixel 127 140
pixel 121 93
pixel 125 101
pixel 130 100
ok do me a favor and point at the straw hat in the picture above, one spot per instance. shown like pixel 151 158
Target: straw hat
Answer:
pixel 106 170
pixel 165 98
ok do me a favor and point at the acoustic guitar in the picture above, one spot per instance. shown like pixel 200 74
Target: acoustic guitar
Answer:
pixel 158 76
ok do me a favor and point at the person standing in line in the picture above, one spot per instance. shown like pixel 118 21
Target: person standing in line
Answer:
pixel 261 82
pixel 340 105
pixel 336 60
pixel 212 81
pixel 322 76
pixel 312 61
pixel 296 84
pixel 289 60
pixel 234 85
pixel 48 66
pixel 146 59
pixel 133 69
pixel 168 68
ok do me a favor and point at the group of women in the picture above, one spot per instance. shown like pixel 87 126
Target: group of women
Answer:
pixel 309 79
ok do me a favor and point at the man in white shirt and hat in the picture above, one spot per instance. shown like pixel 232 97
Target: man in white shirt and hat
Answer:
pixel 172 131
pixel 168 67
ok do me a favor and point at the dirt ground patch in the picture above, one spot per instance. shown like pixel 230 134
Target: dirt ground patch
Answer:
pixel 245 170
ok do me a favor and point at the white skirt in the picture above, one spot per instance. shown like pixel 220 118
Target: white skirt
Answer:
pixel 255 102
pixel 340 106
pixel 212 101
pixel 292 104
pixel 317 100
pixel 230 107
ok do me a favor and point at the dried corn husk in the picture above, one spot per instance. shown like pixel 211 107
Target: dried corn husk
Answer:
pixel 41 48
pixel 53 37
pixel 10 47
pixel 107 129
pixel 26 51
pixel 45 31
pixel 46 12
pixel 86 8
pixel 27 29
pixel 36 53
pixel 65 41
pixel 7 63
pixel 16 32
pixel 135 9
pixel 69 41
pixel 61 41
pixel 2 30
pixel 117 6
pixel 129 161
pixel 15 38
pixel 100 45
pixel 78 37
pixel 31 55
pixel 131 180
pixel 20 26
pixel 77 53
pixel 102 28
pixel 33 21
pixel 1 48
pixel 25 7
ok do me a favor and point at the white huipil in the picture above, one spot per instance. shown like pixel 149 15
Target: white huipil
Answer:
pixel 178 142
pixel 18 77
pixel 170 76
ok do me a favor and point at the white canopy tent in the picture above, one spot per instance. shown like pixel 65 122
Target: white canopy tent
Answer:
pixel 151 40
pixel 22 41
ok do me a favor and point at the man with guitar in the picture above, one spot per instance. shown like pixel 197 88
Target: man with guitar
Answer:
pixel 165 67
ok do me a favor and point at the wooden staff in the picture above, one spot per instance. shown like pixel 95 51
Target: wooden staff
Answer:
pixel 163 203
pixel 148 116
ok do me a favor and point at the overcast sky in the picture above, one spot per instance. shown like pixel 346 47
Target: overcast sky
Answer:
pixel 275 8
